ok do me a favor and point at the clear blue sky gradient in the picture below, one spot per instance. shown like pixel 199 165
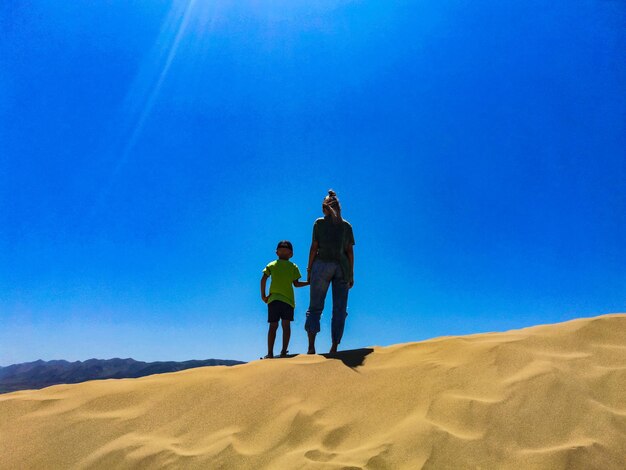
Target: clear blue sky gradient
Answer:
pixel 152 153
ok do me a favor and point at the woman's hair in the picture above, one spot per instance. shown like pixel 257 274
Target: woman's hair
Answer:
pixel 331 204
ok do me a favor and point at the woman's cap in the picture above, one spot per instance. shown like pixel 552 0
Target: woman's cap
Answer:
pixel 284 244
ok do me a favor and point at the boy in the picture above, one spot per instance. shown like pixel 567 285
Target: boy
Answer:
pixel 281 301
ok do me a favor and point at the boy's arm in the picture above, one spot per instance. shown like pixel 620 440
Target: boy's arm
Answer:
pixel 312 255
pixel 301 283
pixel 263 283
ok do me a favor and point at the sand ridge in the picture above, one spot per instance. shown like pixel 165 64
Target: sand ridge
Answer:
pixel 550 396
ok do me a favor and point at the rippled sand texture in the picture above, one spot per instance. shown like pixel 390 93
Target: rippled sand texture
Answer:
pixel 549 397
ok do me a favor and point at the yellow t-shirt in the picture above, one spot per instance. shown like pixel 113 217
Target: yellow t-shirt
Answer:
pixel 283 272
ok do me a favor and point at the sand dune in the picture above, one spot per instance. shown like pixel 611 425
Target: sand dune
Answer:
pixel 547 397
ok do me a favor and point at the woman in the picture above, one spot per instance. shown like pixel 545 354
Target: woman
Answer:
pixel 331 261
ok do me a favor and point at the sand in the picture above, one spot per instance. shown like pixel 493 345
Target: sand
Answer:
pixel 546 397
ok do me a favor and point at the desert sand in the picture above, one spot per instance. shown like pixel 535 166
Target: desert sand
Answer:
pixel 546 397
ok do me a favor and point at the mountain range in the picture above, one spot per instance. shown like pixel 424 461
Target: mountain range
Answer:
pixel 40 374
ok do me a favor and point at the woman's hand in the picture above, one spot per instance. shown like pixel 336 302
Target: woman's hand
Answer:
pixel 265 298
pixel 351 284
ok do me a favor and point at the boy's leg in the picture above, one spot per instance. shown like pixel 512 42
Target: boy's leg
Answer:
pixel 321 275
pixel 340 311
pixel 286 335
pixel 271 337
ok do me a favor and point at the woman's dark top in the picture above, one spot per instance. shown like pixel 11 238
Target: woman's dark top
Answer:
pixel 332 241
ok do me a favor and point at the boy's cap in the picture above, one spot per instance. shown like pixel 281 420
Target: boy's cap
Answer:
pixel 284 244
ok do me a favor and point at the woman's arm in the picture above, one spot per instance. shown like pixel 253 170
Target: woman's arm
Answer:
pixel 312 255
pixel 350 255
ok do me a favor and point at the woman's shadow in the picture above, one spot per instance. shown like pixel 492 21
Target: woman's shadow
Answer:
pixel 352 357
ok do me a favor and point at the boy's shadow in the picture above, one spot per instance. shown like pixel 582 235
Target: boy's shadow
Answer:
pixel 352 357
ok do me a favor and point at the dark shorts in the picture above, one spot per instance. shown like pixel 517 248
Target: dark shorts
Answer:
pixel 277 310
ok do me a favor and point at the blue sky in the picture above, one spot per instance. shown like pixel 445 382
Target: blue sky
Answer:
pixel 152 153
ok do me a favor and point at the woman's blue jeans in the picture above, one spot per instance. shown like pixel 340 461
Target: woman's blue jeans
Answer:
pixel 324 273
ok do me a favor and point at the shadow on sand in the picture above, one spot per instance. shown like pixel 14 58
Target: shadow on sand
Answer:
pixel 352 357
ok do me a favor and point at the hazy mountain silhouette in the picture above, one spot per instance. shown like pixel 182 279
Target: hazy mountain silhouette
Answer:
pixel 39 374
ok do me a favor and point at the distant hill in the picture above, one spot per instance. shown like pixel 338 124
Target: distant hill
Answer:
pixel 39 374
